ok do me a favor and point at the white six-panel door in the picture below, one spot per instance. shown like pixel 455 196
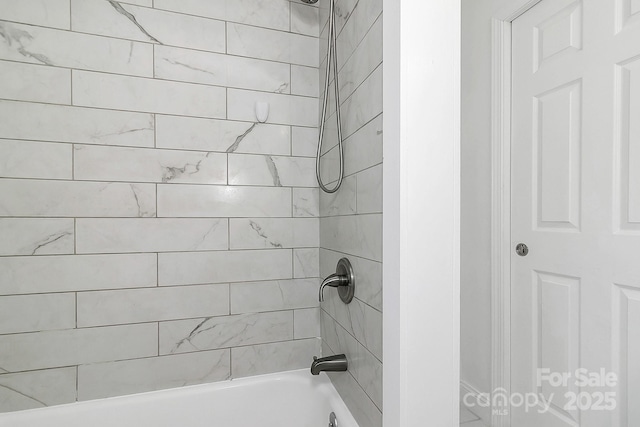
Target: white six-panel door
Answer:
pixel 575 297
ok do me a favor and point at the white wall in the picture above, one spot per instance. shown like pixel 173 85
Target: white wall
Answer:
pixel 152 234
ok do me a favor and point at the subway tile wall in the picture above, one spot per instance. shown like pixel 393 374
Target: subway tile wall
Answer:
pixel 153 235
pixel 351 219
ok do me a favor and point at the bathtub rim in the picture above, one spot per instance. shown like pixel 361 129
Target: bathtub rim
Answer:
pixel 298 376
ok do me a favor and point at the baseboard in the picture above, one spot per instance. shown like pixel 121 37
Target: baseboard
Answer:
pixel 482 412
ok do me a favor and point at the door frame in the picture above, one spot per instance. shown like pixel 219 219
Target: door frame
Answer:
pixel 501 56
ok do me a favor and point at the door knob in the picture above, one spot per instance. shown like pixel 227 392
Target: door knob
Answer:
pixel 522 249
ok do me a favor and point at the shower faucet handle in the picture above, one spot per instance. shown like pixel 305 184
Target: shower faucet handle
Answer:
pixel 343 279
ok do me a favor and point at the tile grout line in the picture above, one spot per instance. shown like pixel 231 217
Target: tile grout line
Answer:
pixel 77 107
pixel 179 14
pixel 154 78
pixel 77 382
pixel 138 358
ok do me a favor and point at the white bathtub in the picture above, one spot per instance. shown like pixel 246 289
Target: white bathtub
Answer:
pixel 289 399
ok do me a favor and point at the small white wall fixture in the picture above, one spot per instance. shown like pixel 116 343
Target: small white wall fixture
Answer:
pixel 501 244
pixel 421 212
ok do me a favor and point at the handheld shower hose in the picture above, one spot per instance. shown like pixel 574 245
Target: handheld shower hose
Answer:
pixel 331 57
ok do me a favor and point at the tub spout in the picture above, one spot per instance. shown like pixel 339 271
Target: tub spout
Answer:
pixel 335 363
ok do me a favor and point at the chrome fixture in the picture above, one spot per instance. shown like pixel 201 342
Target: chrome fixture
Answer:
pixel 335 363
pixel 344 279
pixel 331 57
pixel 522 249
pixel 333 420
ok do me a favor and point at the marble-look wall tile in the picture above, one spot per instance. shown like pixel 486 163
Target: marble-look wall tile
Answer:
pixel 306 202
pixel 284 109
pixel 73 199
pixel 330 137
pixel 97 235
pixel 343 8
pixel 136 376
pixel 358 319
pixel 359 235
pixel 355 329
pixel 220 201
pixel 184 268
pixel 342 202
pixel 363 149
pixel 154 304
pixel 261 13
pixel 118 122
pixel 62 273
pixel 33 313
pixel 364 60
pixel 369 376
pixel 304 141
pixel 226 331
pixel 110 18
pixel 29 159
pixel 369 289
pixel 363 366
pixel 38 45
pixel 364 105
pixel 97 163
pixel 21 352
pixel 359 23
pixel 221 70
pixel 36 83
pixel 243 40
pixel 305 263
pixel 269 233
pixel 304 80
pixel 36 236
pixel 46 13
pixel 255 297
pixel 147 3
pixel 70 124
pixel 222 135
pixel 370 190
pixel 340 341
pixel 38 389
pixel 246 169
pixel 306 323
pixel 147 95
pixel 304 19
pixel 331 109
pixel 323 39
pixel 359 403
pixel 268 358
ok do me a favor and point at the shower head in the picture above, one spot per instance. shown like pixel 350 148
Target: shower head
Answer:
pixel 310 1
